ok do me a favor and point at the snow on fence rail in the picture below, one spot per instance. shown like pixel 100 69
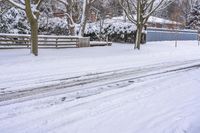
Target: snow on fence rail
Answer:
pixel 24 40
pixel 156 34
pixel 21 40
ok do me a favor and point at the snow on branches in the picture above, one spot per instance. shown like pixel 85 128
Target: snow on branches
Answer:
pixel 14 21
pixel 194 18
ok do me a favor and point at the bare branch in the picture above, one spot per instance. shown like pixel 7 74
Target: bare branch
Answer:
pixel 38 4
pixel 20 6
pixel 64 2
pixel 129 16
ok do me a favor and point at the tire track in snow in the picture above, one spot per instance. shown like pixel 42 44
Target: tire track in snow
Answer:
pixel 58 119
pixel 111 77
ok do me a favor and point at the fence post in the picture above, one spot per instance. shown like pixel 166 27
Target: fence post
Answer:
pixel 56 42
pixel 107 40
pixel 84 42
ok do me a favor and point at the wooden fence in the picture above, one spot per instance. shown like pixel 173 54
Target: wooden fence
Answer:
pixel 47 41
pixel 19 40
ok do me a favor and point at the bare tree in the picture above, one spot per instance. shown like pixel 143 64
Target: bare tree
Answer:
pixel 31 7
pixel 85 15
pixel 82 17
pixel 139 11
pixel 70 11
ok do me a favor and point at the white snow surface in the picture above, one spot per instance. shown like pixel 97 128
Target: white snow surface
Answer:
pixel 167 103
pixel 19 68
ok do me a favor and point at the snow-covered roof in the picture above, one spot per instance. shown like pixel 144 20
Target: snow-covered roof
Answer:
pixel 152 19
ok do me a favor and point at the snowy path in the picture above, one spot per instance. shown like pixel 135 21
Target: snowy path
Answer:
pixel 84 84
pixel 167 103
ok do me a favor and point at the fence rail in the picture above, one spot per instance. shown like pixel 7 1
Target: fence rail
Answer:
pixel 47 41
pixel 19 40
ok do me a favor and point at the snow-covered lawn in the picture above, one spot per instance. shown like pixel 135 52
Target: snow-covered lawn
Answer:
pixel 161 103
pixel 19 69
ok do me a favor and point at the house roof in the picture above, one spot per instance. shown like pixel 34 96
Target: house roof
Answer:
pixel 152 19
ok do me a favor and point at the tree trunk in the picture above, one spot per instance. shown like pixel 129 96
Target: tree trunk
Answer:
pixel 139 26
pixel 33 19
pixel 85 19
pixel 71 25
pixel 34 37
pixel 138 37
pixel 72 31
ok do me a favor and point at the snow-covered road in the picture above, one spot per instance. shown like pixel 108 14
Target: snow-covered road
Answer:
pixel 92 84
pixel 20 70
pixel 167 104
pixel 101 90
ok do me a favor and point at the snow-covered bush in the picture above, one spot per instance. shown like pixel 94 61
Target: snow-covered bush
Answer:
pixel 3 25
pixel 14 21
pixel 57 26
pixel 110 28
pixel 115 30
